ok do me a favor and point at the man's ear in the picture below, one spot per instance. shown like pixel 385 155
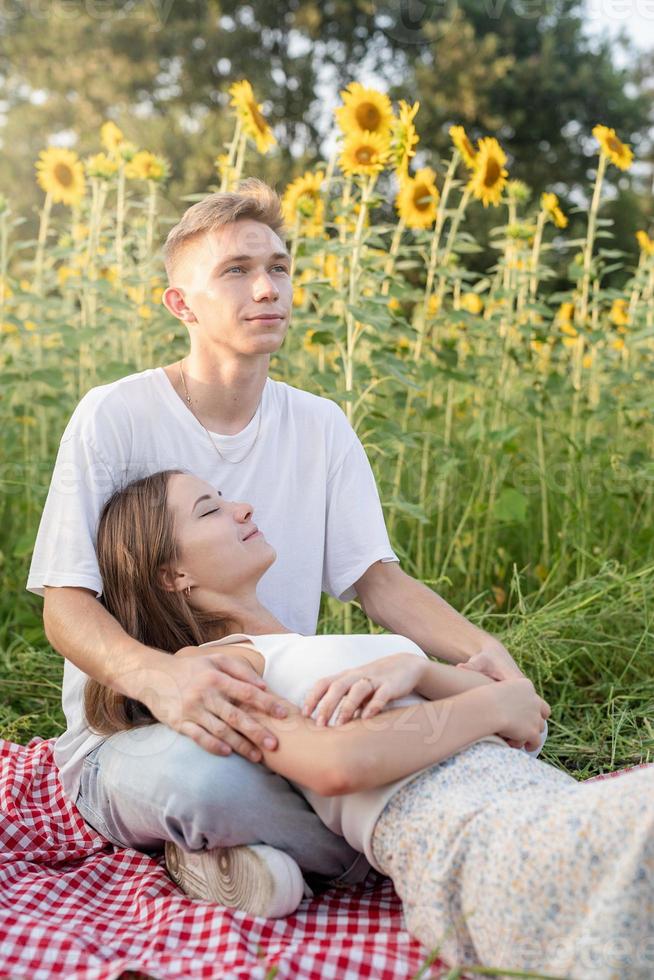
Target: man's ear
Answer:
pixel 170 580
pixel 173 300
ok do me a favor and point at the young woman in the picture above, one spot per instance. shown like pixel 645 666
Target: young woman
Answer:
pixel 499 858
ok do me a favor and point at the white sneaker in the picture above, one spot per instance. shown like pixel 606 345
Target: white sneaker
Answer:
pixel 257 879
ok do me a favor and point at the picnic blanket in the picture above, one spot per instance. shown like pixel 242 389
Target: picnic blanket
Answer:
pixel 74 905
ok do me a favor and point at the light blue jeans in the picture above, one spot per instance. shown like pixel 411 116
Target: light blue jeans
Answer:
pixel 142 787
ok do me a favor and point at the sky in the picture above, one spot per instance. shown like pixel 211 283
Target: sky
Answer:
pixel 636 16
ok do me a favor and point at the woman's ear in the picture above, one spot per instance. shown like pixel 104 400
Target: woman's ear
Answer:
pixel 170 580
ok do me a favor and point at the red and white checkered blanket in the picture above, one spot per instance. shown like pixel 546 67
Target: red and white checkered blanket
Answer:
pixel 73 905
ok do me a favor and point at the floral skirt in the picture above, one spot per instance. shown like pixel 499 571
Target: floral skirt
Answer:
pixel 504 861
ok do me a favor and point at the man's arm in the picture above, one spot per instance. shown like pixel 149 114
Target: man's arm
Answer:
pixel 401 604
pixel 194 695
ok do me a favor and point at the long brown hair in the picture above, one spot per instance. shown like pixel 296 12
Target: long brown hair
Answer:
pixel 135 538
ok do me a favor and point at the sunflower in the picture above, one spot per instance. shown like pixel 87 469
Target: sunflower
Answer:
pixel 249 113
pixel 100 165
pixel 302 202
pixel 61 174
pixel 146 166
pixel 565 313
pixel 463 145
pixel 618 152
pixel 489 175
pixel 404 138
pixel 619 314
pixel 417 199
pixel 111 137
pixel 472 303
pixel 364 154
pixel 550 204
pixel 645 242
pixel 364 111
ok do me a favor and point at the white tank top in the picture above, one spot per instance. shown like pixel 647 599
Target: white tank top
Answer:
pixel 293 663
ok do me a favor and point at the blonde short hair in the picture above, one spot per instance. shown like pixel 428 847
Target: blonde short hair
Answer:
pixel 252 199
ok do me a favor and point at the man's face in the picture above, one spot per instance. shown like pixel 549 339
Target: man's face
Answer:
pixel 233 288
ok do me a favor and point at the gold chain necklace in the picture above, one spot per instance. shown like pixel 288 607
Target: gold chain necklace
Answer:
pixel 209 436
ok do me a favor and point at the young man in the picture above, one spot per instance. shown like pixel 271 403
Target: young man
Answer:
pixel 293 456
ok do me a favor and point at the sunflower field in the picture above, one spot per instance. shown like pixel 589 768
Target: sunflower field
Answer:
pixel 508 420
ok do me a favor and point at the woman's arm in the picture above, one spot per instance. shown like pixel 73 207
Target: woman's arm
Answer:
pixel 444 680
pixel 366 753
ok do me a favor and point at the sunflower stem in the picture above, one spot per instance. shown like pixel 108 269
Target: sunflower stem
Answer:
pixel 544 508
pixel 590 239
pixel 4 257
pixel 392 255
pixel 535 254
pixel 351 327
pixel 152 213
pixel 226 179
pixel 40 246
pixel 240 159
pixel 120 219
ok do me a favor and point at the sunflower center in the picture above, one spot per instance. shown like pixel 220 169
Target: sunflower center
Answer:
pixel 492 174
pixel 63 174
pixel 364 154
pixel 306 204
pixel 368 116
pixel 421 198
pixel 259 121
pixel 615 144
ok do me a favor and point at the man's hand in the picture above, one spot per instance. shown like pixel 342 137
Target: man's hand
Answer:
pixel 195 694
pixel 494 661
pixel 373 684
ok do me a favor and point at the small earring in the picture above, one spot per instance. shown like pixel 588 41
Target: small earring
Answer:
pixel 187 590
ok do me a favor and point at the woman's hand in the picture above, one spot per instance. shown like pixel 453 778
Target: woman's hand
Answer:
pixel 522 712
pixel 373 684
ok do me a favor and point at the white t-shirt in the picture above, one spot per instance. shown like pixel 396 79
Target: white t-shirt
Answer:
pixel 307 477
pixel 293 663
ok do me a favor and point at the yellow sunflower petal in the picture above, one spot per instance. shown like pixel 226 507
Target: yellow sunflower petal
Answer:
pixel 249 112
pixel 645 242
pixel 463 145
pixel 619 313
pixel 550 204
pixel 302 202
pixel 364 154
pixel 100 165
pixel 417 200
pixel 364 110
pixel 405 137
pixel 61 174
pixel 147 166
pixel 111 137
pixel 619 153
pixel 489 175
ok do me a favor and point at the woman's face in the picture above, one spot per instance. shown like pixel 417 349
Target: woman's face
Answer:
pixel 218 553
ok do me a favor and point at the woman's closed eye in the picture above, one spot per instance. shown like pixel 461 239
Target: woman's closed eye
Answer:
pixel 214 511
